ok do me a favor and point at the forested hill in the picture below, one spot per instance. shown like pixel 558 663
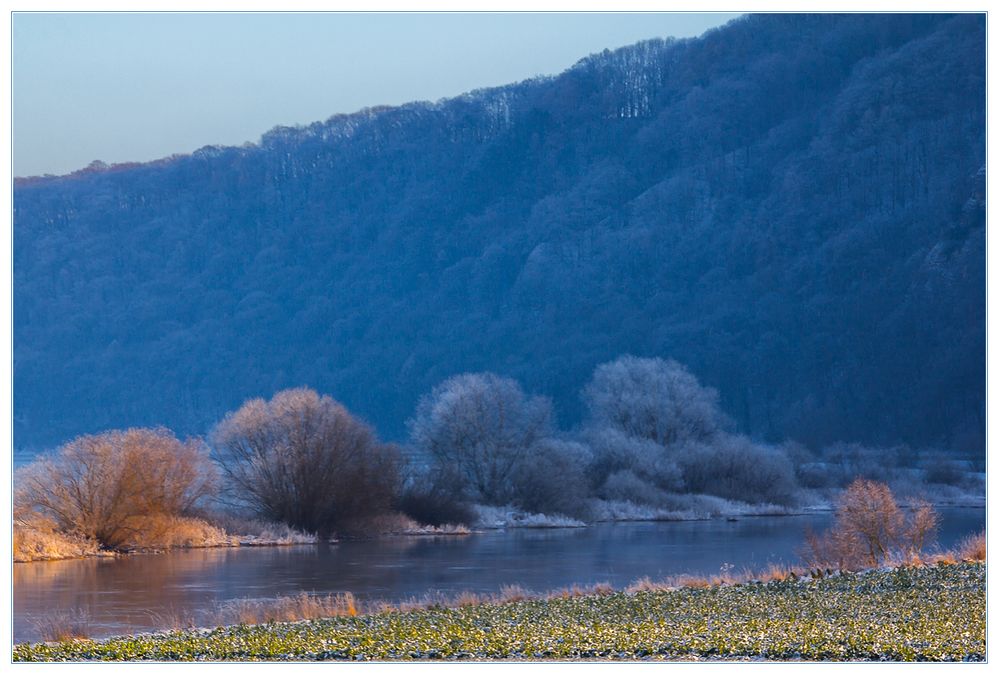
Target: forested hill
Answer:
pixel 791 205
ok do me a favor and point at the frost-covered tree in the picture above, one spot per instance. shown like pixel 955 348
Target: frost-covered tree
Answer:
pixel 483 426
pixel 631 460
pixel 654 399
pixel 304 460
pixel 655 429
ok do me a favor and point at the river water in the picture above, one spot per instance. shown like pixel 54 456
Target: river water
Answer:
pixel 140 593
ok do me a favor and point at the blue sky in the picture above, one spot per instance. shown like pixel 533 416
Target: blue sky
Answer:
pixel 134 87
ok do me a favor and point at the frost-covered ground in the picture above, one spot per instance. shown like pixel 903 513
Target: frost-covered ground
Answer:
pixel 690 507
pixel 908 614
pixel 683 507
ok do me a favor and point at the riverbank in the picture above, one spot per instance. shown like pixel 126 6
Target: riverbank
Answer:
pixel 904 614
pixel 40 542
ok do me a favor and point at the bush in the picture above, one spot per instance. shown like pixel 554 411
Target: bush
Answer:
pixel 482 426
pixel 972 547
pixel 625 486
pixel 655 430
pixel 553 480
pixel 105 486
pixel 734 467
pixel 870 528
pixel 435 498
pixel 613 452
pixel 302 459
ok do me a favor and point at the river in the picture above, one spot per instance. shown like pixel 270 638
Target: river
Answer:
pixel 141 592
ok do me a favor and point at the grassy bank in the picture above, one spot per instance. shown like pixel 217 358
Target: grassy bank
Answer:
pixel 921 613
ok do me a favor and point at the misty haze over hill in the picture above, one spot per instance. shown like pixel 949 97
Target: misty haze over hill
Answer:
pixel 792 205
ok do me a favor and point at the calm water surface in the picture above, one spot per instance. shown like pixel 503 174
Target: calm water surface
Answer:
pixel 134 594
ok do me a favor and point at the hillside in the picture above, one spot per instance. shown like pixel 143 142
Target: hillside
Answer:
pixel 791 205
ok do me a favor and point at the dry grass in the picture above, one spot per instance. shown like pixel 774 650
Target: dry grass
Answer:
pixel 645 585
pixel 467 599
pixel 253 532
pixel 63 626
pixel 305 606
pixel 576 591
pixel 512 593
pixel 969 549
pixel 287 608
pixel 972 548
pixel 174 619
pixel 775 572
pixel 164 532
pixel 692 581
pixel 37 539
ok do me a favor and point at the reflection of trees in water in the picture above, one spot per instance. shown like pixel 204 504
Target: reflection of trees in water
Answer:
pixel 133 590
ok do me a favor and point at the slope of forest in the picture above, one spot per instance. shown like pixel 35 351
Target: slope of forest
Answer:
pixel 791 205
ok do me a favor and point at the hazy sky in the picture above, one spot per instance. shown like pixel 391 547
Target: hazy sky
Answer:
pixel 135 87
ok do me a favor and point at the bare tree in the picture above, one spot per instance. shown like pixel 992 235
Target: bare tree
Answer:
pixel 101 486
pixel 869 527
pixel 655 399
pixel 304 460
pixel 868 514
pixel 922 524
pixel 483 426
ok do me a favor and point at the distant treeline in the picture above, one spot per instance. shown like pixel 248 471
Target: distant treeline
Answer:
pixel 791 205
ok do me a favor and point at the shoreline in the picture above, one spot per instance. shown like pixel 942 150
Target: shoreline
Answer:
pixel 645 621
pixel 509 520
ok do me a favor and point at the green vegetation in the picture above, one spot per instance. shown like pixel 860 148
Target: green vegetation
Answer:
pixel 908 614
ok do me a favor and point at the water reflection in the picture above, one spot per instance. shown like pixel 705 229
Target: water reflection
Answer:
pixel 140 592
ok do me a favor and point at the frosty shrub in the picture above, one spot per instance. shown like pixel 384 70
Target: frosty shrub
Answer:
pixel 870 527
pixel 734 467
pixel 104 486
pixel 625 486
pixel 304 460
pixel 654 430
pixel 483 426
pixel 654 399
pixel 646 460
pixel 553 479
